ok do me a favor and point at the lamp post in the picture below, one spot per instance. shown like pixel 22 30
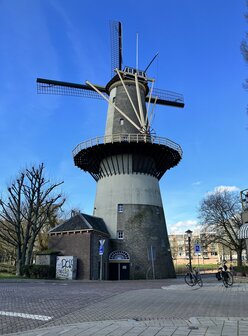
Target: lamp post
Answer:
pixel 189 235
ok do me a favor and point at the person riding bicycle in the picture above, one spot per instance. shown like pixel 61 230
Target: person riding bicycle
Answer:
pixel 222 272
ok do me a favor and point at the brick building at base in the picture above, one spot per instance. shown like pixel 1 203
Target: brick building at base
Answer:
pixel 79 236
pixel 129 256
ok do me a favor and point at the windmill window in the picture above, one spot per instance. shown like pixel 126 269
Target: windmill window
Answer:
pixel 121 121
pixel 124 138
pixel 119 255
pixel 120 207
pixel 113 100
pixel 120 234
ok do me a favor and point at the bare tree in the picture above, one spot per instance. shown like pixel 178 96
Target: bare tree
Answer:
pixel 31 201
pixel 219 215
pixel 53 220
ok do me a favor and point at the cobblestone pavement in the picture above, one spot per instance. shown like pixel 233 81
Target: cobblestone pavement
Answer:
pixel 132 308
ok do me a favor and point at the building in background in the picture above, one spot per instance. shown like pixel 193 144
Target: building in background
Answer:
pixel 213 253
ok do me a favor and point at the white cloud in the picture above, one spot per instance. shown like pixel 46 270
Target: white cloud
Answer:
pixel 196 183
pixel 181 226
pixel 221 189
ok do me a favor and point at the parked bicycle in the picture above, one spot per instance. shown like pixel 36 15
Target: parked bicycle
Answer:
pixel 193 277
pixel 225 276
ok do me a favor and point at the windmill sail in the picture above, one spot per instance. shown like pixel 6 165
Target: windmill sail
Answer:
pixel 47 86
pixel 165 97
pixel 116 46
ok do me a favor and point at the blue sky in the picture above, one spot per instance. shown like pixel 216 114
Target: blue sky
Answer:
pixel 199 56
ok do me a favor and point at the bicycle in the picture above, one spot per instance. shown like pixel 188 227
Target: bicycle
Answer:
pixel 225 276
pixel 193 277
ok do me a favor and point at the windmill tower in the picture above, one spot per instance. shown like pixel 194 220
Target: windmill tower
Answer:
pixel 127 164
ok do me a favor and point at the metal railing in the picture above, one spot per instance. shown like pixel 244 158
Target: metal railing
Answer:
pixel 126 138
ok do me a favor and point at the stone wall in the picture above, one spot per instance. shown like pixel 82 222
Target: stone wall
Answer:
pixel 144 230
pixel 84 246
pixel 74 244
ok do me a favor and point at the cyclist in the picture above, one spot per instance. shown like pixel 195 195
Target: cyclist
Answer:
pixel 222 272
pixel 218 274
pixel 225 276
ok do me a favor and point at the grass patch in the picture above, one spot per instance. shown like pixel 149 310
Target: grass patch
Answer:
pixel 5 275
pixel 182 269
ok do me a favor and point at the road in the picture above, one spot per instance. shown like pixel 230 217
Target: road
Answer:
pixel 31 304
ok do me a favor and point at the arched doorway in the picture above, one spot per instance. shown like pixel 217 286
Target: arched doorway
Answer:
pixel 119 265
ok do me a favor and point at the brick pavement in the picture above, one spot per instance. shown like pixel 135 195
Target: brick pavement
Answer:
pixel 57 298
pixel 175 310
pixel 201 326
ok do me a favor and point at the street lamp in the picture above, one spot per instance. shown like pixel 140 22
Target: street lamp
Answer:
pixel 189 235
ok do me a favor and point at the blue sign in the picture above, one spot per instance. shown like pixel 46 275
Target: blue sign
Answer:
pixel 197 248
pixel 101 250
pixel 101 246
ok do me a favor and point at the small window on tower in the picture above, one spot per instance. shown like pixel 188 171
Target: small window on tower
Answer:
pixel 121 121
pixel 120 207
pixel 120 234
pixel 113 100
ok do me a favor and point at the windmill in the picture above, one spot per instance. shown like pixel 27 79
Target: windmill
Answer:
pixel 127 163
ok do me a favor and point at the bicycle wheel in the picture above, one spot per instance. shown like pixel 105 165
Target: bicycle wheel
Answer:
pixel 229 278
pixel 225 283
pixel 199 280
pixel 189 279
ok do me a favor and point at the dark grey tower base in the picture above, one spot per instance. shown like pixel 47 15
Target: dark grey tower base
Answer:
pixel 146 241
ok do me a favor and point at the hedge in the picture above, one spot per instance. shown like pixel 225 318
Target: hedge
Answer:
pixel 241 269
pixel 39 271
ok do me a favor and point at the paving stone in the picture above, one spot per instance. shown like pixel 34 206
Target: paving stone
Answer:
pixel 166 331
pixel 125 308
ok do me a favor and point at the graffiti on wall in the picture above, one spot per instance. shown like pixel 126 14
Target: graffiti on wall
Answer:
pixel 66 267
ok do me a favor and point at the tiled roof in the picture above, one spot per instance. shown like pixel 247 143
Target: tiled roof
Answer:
pixel 81 221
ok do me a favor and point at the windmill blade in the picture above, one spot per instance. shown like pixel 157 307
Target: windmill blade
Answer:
pixel 48 86
pixel 115 46
pixel 165 97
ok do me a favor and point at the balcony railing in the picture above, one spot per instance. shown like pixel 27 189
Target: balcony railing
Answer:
pixel 127 138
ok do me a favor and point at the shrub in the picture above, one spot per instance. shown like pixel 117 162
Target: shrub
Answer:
pixel 241 269
pixel 39 271
pixel 25 271
pixel 6 268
